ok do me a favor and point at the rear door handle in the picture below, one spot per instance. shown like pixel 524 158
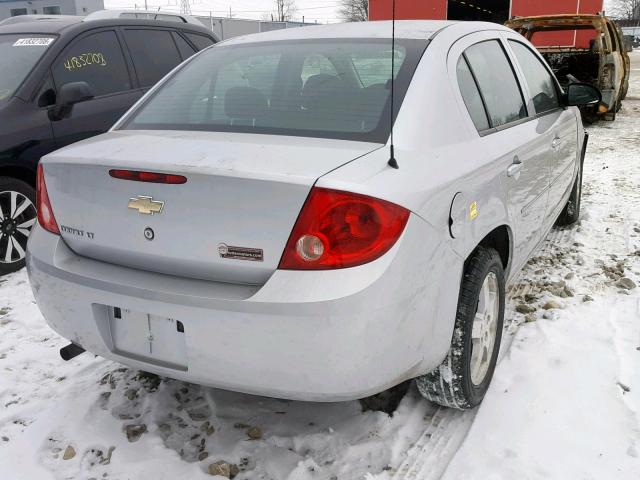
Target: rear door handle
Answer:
pixel 514 168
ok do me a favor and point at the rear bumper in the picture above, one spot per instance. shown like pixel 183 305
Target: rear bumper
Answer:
pixel 322 336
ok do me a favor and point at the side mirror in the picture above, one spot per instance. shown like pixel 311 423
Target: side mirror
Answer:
pixel 581 94
pixel 68 96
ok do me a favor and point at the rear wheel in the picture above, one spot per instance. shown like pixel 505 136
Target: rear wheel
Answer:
pixel 571 212
pixel 463 378
pixel 17 218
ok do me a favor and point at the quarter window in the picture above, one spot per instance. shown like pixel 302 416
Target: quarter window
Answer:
pixel 497 82
pixel 200 41
pixel 186 50
pixel 542 86
pixel 96 59
pixel 154 54
pixel 471 95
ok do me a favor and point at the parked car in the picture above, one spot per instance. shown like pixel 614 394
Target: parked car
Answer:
pixel 46 65
pixel 593 52
pixel 243 226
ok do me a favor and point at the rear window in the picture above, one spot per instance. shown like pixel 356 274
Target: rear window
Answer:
pixel 315 88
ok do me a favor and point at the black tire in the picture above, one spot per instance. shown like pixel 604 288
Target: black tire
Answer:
pixel 571 212
pixel 15 213
pixel 452 384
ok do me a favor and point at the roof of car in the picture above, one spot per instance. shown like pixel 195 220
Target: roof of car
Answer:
pixel 564 19
pixel 67 22
pixel 404 29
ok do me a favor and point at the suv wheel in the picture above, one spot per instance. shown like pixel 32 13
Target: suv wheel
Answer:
pixel 17 218
pixel 463 378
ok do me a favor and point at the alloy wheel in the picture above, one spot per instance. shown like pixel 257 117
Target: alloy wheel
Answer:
pixel 485 323
pixel 17 217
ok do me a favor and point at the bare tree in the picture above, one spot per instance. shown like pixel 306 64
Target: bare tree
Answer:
pixel 355 10
pixel 285 10
pixel 626 9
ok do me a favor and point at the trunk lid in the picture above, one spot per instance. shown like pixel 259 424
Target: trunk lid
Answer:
pixel 229 222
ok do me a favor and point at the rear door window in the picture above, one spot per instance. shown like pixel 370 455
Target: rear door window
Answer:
pixel 542 85
pixel 200 41
pixel 154 54
pixel 96 59
pixel 471 95
pixel 497 82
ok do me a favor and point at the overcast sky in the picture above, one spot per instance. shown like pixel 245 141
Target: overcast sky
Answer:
pixel 321 10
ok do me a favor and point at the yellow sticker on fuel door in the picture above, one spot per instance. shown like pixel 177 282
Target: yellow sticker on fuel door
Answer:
pixel 473 210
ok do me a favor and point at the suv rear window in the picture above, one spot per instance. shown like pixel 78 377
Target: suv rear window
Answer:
pixel 314 88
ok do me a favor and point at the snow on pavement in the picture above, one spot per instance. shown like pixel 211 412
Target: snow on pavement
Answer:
pixel 564 402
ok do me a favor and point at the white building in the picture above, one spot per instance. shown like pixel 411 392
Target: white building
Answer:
pixel 12 8
pixel 225 27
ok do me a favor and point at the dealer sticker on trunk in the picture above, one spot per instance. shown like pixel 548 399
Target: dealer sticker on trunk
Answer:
pixel 240 253
pixel 33 42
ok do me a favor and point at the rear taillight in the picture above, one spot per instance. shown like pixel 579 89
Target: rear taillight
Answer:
pixel 338 229
pixel 148 177
pixel 45 213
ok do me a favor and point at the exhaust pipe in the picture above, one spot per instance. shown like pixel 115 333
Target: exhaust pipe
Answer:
pixel 71 351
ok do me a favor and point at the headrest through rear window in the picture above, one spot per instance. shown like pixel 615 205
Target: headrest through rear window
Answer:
pixel 245 102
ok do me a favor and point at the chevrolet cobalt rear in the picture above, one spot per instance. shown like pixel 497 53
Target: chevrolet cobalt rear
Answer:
pixel 244 226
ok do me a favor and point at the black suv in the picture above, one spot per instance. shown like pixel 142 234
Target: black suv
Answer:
pixel 49 65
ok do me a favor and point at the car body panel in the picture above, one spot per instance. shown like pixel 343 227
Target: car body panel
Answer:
pixel 322 336
pixel 254 188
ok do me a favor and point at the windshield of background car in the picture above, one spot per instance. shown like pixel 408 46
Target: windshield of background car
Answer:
pixel 311 88
pixel 18 55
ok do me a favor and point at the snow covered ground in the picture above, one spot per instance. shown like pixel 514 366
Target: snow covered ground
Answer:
pixel 564 403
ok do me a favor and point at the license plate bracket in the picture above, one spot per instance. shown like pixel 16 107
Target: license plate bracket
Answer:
pixel 148 338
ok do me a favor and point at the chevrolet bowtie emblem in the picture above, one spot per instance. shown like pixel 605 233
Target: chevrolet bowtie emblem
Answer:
pixel 146 205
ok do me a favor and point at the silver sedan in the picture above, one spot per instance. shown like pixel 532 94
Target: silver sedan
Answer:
pixel 248 225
